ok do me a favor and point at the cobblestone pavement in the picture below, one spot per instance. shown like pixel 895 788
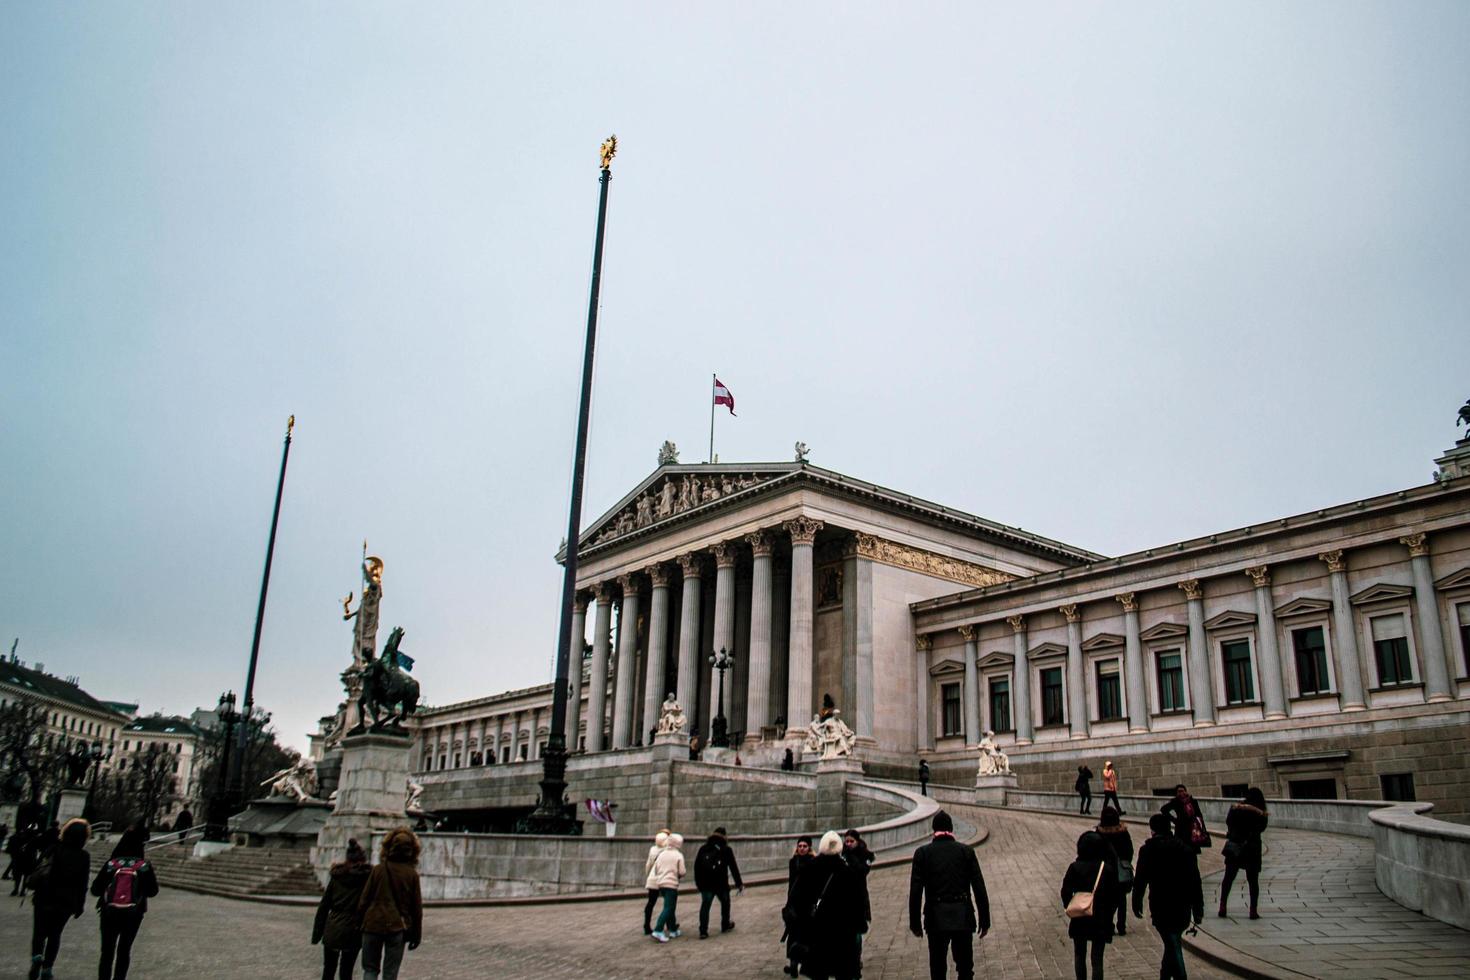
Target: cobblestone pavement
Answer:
pixel 190 936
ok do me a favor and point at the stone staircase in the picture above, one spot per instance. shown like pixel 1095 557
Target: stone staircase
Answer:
pixel 240 871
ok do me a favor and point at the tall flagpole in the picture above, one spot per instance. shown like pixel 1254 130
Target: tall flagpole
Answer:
pixel 712 379
pixel 550 815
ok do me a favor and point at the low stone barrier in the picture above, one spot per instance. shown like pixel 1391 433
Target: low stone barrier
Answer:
pixel 1423 863
pixel 1328 816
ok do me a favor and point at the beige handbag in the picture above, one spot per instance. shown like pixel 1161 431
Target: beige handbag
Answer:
pixel 1080 907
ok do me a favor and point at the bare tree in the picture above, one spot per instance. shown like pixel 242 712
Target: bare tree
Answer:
pixel 150 781
pixel 32 759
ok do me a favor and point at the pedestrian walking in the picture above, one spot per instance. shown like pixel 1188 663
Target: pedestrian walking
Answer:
pixel 338 927
pixel 391 906
pixel 668 868
pixel 1168 871
pixel 22 850
pixel 123 886
pixel 60 886
pixel 1244 825
pixel 1120 842
pixel 829 913
pixel 1096 872
pixel 714 866
pixel 860 860
pixel 1110 786
pixel 1189 822
pixel 944 875
pixel 660 841
pixel 1084 789
pixel 924 776
pixel 800 859
pixel 788 762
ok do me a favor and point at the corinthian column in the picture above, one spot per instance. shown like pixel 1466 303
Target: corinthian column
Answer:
pixel 574 673
pixel 803 531
pixel 627 669
pixel 1431 633
pixel 1201 688
pixel 972 686
pixel 1076 674
pixel 597 681
pixel 658 645
pixel 725 555
pixel 923 716
pixel 1344 635
pixel 1021 703
pixel 1133 665
pixel 689 635
pixel 758 672
pixel 1273 691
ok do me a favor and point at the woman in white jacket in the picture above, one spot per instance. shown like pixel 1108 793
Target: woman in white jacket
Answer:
pixel 660 841
pixel 668 868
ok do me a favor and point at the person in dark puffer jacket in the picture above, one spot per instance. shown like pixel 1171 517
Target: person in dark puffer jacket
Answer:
pixel 60 883
pixel 392 906
pixel 338 926
pixel 1168 871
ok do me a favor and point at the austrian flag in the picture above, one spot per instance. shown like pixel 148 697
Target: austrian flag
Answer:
pixel 723 396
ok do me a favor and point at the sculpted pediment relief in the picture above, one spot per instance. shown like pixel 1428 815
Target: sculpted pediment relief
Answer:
pixel 1164 631
pixel 1230 620
pixel 673 493
pixel 1382 592
pixel 1304 607
pixel 1102 641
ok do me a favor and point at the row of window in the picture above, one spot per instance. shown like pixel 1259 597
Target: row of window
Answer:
pixel 479 759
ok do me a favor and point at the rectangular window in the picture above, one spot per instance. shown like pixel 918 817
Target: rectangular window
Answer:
pixel 1310 647
pixel 1464 612
pixel 523 753
pixel 1397 787
pixel 1171 680
pixel 1233 791
pixel 1051 696
pixel 949 699
pixel 1236 656
pixel 456 760
pixel 1109 692
pixel 1000 704
pixel 443 760
pixel 505 753
pixel 1312 789
pixel 1391 650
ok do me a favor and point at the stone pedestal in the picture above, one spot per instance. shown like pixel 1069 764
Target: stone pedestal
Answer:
pixel 676 739
pixel 992 790
pixel 832 778
pixel 72 803
pixel 371 793
pixel 720 757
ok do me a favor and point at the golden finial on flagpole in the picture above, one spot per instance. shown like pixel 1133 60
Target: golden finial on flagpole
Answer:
pixel 290 424
pixel 609 150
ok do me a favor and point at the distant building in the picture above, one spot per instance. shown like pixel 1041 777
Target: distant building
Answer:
pixel 182 742
pixel 71 712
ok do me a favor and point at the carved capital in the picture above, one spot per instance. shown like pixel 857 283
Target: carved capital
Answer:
pixel 579 602
pixel 629 583
pixel 1418 544
pixel 969 632
pixel 761 543
pixel 1128 600
pixel 803 530
pixel 1070 611
pixel 1192 589
pixel 725 554
pixel 1333 560
pixel 924 641
pixel 604 591
pixel 690 564
pixel 1260 575
pixel 1018 623
pixel 661 575
pixel 866 545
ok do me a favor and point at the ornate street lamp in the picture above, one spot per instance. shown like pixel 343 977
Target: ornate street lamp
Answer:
pixel 719 737
pixel 217 828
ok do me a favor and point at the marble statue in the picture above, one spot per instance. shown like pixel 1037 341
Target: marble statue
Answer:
pixel 671 718
pixel 801 452
pixel 297 781
pixel 668 454
pixel 993 762
pixel 645 510
pixel 665 506
pixel 413 796
pixel 829 735
pixel 78 761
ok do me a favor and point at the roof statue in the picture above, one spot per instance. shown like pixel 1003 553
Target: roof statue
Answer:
pixel 1464 417
pixel 801 451
pixel 608 151
pixel 668 454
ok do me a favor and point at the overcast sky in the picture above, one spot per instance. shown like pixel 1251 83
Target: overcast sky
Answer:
pixel 1119 274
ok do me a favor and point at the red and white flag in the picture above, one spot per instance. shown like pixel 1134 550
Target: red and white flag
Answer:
pixel 723 396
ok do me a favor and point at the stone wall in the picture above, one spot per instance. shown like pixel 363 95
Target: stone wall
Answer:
pixel 1423 863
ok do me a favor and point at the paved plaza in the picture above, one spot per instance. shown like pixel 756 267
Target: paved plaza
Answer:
pixel 190 936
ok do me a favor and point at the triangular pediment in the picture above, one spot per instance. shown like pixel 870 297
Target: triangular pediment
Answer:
pixel 1382 592
pixel 1046 650
pixel 1455 580
pixel 673 491
pixel 1164 631
pixel 997 659
pixel 1102 641
pixel 1304 607
pixel 1230 620
pixel 946 668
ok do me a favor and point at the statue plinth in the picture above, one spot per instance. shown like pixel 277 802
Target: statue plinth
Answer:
pixel 845 763
pixel 992 788
pixel 371 794
pixel 72 803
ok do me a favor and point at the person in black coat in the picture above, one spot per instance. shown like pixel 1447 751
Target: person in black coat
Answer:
pixel 60 894
pixel 944 875
pixel 1189 820
pixel 798 863
pixel 860 859
pixel 1111 829
pixel 122 915
pixel 714 866
pixel 829 914
pixel 22 850
pixel 1244 825
pixel 1096 871
pixel 1084 788
pixel 1169 872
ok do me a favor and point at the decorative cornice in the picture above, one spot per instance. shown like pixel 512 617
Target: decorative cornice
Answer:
pixel 1192 589
pixel 887 552
pixel 660 575
pixel 1260 576
pixel 1418 544
pixel 924 641
pixel 1333 560
pixel 1070 611
pixel 690 564
pixel 1018 623
pixel 762 543
pixel 803 530
pixel 1128 600
pixel 969 632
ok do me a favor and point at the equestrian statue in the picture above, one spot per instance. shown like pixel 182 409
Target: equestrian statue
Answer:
pixel 389 694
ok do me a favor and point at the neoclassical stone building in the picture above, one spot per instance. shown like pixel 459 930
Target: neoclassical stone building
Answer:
pixel 1322 654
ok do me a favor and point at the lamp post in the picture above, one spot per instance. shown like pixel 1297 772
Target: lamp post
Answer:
pixel 719 737
pixel 219 804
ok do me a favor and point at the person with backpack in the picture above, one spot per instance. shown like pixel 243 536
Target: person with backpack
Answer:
pixel 1169 872
pixel 944 874
pixel 338 927
pixel 59 884
pixel 1189 821
pixel 123 886
pixel 391 906
pixel 714 866
pixel 1095 872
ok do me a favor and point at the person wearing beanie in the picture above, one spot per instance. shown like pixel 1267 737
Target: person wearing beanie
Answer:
pixel 660 841
pixel 668 868
pixel 123 886
pixel 943 877
pixel 1111 829
pixel 828 914
pixel 60 893
pixel 1169 872
pixel 391 906
pixel 714 866
pixel 338 927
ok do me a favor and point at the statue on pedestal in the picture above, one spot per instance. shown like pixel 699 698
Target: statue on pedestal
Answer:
pixel 1464 418
pixel 413 799
pixel 389 694
pixel 993 762
pixel 671 718
pixel 829 734
pixel 78 761
pixel 364 642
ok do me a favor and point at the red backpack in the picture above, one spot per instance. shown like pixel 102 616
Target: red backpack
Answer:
pixel 122 890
